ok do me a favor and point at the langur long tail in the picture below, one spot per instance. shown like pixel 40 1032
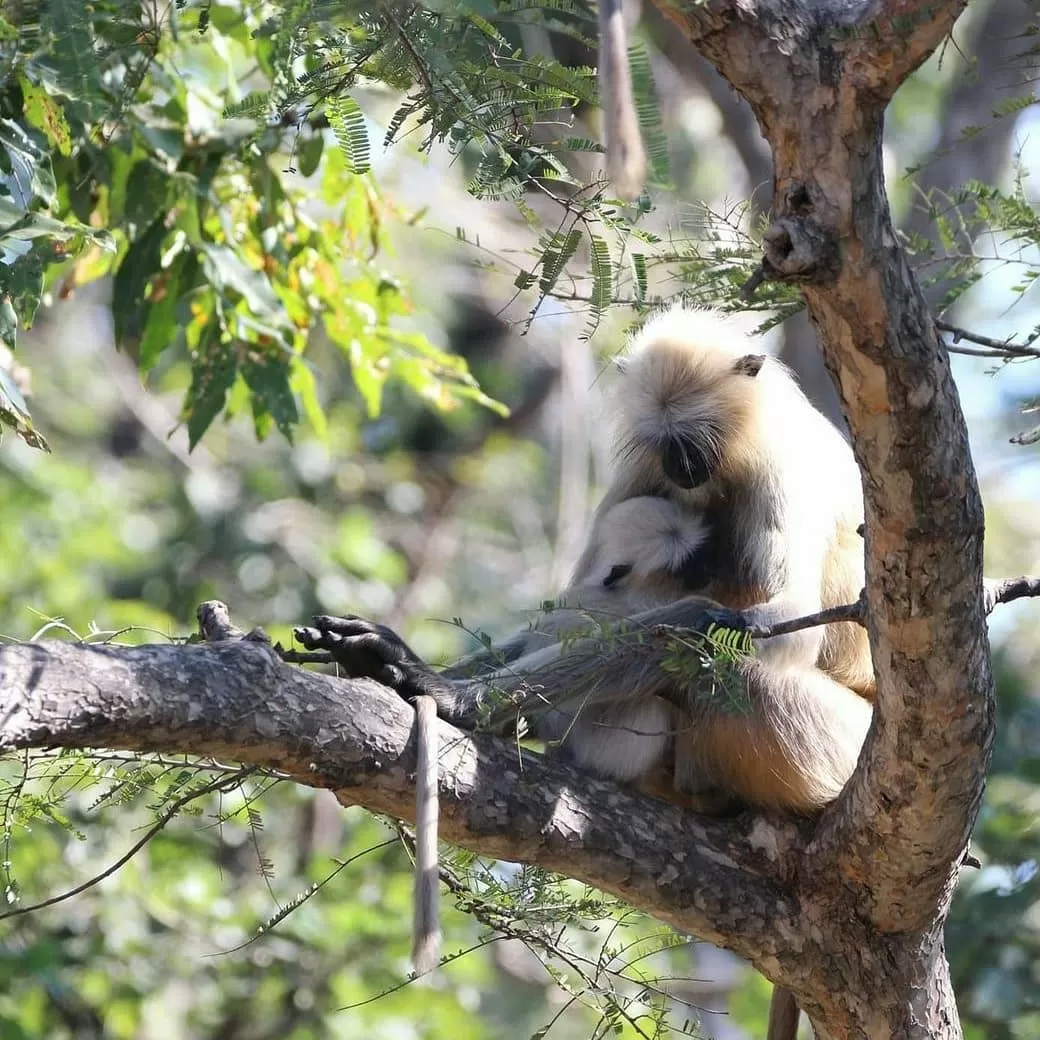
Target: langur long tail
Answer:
pixel 426 942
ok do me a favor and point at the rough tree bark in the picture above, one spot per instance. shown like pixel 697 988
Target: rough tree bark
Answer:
pixel 847 912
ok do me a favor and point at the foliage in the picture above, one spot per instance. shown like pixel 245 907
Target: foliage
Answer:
pixel 214 251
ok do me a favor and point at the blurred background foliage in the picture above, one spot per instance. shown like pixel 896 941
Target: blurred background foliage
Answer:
pixel 319 294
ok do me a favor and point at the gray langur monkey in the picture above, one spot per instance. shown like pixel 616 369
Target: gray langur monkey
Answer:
pixel 727 437
pixel 728 434
pixel 622 141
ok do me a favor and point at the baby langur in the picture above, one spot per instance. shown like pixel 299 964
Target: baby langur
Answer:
pixel 626 159
pixel 651 551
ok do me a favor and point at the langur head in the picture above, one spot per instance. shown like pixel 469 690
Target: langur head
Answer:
pixel 647 542
pixel 687 397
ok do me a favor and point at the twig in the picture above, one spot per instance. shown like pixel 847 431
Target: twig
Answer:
pixel 220 784
pixel 996 347
pixel 995 591
pixel 832 615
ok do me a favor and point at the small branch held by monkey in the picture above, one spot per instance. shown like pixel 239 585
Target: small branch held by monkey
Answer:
pixel 832 615
pixel 995 592
pixel 426 938
pixel 622 141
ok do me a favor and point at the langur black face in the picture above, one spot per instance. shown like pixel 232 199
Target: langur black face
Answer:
pixel 685 463
pixel 690 459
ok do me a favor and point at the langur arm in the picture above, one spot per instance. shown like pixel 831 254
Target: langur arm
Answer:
pixel 630 654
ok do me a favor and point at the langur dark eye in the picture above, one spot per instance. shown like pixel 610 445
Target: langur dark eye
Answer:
pixel 685 465
pixel 749 364
pixel 617 572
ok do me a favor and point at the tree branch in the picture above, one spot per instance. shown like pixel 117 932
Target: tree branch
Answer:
pixel 995 591
pixel 235 700
pixel 995 347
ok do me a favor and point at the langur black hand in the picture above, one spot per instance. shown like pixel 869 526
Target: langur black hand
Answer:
pixel 366 650
pixel 723 617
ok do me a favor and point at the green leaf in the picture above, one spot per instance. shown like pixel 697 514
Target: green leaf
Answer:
pixel 15 413
pixel 267 376
pixel 25 169
pixel 213 372
pixel 225 269
pixel 308 154
pixel 348 123
pixel 557 251
pixel 129 288
pixel 46 115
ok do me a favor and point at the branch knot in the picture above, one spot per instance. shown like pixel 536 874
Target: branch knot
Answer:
pixel 798 249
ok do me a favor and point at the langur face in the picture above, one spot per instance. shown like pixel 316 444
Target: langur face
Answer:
pixel 686 463
pixel 691 456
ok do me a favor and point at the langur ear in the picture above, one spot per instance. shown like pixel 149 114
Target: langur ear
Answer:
pixel 749 364
pixel 621 363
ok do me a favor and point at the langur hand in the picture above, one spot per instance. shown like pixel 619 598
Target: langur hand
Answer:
pixel 366 650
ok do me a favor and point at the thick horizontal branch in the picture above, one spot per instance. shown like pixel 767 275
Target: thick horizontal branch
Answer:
pixel 720 880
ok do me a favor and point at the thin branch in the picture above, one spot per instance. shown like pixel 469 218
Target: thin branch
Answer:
pixel 832 615
pixel 994 347
pixel 221 784
pixel 1008 590
pixel 995 592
